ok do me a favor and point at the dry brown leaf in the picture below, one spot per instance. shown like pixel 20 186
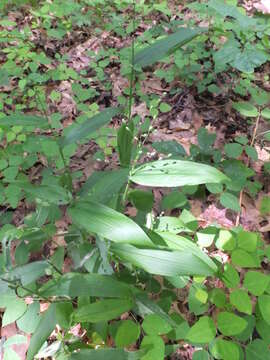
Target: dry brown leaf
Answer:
pixel 213 215
pixel 11 330
pixel 263 6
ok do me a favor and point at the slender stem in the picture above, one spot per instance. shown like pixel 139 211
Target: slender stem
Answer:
pixel 248 163
pixel 45 113
pixel 53 266
pixel 131 88
pixel 16 286
pixel 132 74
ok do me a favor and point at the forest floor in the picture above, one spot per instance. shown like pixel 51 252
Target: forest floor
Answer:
pixel 189 111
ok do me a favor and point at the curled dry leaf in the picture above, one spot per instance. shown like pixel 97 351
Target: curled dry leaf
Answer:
pixel 213 215
pixel 263 6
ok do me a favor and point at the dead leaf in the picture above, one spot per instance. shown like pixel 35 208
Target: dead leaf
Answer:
pixel 263 6
pixel 213 215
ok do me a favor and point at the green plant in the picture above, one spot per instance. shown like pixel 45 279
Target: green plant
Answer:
pixel 126 272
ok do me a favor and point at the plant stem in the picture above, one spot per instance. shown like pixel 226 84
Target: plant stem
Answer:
pixel 66 168
pixel 248 163
pixel 132 74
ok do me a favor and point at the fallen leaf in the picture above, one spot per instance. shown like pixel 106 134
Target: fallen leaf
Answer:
pixel 263 6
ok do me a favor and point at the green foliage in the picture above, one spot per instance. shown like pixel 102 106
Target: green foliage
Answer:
pixel 126 271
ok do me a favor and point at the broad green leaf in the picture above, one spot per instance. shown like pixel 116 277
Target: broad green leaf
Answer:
pixel 206 140
pixel 264 331
pixel 200 355
pixel 264 306
pixel 108 223
pixel 256 282
pixel 249 59
pixel 154 346
pixel 233 150
pixel 230 324
pixel 247 241
pixel 257 350
pixel 218 297
pixel 101 186
pixel 244 259
pixel 226 350
pixel 265 205
pixel 266 113
pixel 24 120
pixel 230 276
pixel 50 193
pixel 106 354
pixel 103 310
pixel 227 53
pixel 205 237
pixel 96 285
pixel 142 200
pixel 214 188
pixel 230 201
pixel 179 331
pixel 164 107
pixel 241 301
pixel 174 200
pixel 155 325
pixel 146 306
pixel 15 308
pixel 228 9
pixel 203 331
pixel 63 313
pixel 176 242
pixel 173 173
pixel 127 333
pixel 45 327
pixel 162 262
pixel 251 152
pixel 81 131
pixel 163 47
pixel 225 241
pixel 29 321
pixel 29 272
pixel 170 147
pixel 197 299
pixel 246 109
pixel 247 333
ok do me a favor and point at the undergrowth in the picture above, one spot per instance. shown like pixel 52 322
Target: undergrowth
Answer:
pixel 66 239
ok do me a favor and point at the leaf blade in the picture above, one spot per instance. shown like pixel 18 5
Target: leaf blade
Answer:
pixel 161 48
pixel 81 131
pixel 108 223
pixel 162 262
pixel 44 329
pixel 173 173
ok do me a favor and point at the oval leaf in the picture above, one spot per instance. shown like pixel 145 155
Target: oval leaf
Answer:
pixel 172 173
pixel 203 331
pixel 230 324
pixel 246 109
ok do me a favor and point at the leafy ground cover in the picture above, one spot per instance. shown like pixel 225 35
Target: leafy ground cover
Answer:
pixel 134 180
